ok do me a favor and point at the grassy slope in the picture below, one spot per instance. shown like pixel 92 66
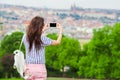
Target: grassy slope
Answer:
pixel 47 79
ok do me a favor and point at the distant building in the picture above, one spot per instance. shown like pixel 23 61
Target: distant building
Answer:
pixel 74 7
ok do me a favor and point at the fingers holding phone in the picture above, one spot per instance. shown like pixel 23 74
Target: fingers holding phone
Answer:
pixel 46 27
pixel 59 26
pixel 53 24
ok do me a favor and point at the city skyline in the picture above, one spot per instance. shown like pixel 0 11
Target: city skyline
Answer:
pixel 65 4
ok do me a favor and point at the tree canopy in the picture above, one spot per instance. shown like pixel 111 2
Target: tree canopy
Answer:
pixel 101 58
pixel 57 57
pixel 65 54
pixel 10 43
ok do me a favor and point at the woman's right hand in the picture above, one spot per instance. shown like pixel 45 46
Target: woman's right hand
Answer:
pixel 59 27
pixel 58 41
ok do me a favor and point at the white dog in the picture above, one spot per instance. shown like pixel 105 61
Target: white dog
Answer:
pixel 19 62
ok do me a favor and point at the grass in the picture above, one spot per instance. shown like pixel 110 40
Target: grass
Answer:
pixel 62 79
pixel 11 79
pixel 47 79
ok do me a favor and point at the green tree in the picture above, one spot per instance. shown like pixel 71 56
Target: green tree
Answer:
pixel 101 59
pixel 65 54
pixel 8 44
pixel 57 57
pixel 115 50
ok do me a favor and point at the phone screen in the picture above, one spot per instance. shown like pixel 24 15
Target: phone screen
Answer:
pixel 52 24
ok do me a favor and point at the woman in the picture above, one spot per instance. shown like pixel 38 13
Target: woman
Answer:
pixel 35 44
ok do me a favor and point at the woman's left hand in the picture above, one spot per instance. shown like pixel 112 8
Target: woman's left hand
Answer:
pixel 46 27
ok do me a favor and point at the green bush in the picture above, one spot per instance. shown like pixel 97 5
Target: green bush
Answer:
pixel 101 57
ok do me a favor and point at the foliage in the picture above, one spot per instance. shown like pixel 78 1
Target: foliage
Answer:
pixel 100 58
pixel 7 45
pixel 57 57
pixel 101 55
pixel 65 54
pixel 10 43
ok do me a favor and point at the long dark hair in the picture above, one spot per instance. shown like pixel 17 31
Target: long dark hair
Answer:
pixel 34 32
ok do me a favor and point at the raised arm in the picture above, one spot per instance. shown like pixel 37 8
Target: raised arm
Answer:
pixel 56 42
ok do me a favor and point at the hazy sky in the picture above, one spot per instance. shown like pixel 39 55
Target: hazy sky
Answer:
pixel 65 4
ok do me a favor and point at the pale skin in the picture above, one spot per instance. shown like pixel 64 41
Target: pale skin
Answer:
pixel 55 42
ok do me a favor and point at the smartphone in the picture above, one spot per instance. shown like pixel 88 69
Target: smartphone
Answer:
pixel 52 24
